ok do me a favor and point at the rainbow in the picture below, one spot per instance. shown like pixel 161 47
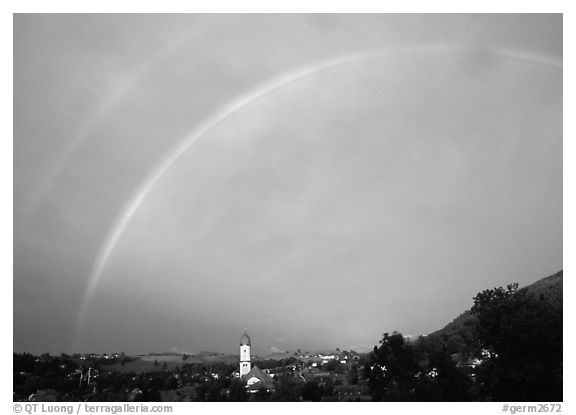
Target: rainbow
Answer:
pixel 233 108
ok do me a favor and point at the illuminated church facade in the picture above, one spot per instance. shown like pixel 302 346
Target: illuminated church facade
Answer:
pixel 254 377
pixel 245 364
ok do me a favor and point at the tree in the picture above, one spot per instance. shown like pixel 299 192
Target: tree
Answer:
pixel 455 343
pixel 46 395
pixel 391 369
pixel 520 336
pixel 352 376
pixel 262 395
pixel 333 365
pixel 287 388
pixel 441 380
pixel 238 391
pixel 311 391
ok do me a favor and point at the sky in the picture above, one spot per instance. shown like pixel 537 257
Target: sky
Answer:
pixel 316 179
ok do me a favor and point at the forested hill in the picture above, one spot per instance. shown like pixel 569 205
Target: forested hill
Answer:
pixel 549 289
pixel 507 347
pixel 460 335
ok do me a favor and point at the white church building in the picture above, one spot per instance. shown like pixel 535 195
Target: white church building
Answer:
pixel 254 377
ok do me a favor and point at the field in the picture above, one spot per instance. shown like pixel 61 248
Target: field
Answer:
pixel 152 362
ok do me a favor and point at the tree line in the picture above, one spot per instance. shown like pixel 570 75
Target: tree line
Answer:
pixel 513 336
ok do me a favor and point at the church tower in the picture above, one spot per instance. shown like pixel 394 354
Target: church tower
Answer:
pixel 244 354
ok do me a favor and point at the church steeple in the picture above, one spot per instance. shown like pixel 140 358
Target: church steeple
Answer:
pixel 244 354
pixel 245 340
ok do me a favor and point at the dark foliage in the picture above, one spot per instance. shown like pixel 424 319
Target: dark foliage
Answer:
pixel 394 373
pixel 391 369
pixel 520 334
pixel 288 388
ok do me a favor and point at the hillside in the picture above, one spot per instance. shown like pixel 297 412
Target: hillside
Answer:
pixel 460 334
pixel 549 289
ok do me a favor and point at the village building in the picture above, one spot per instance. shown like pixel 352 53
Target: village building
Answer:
pixel 254 377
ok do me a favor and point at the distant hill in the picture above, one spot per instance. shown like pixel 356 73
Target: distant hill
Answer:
pixel 460 334
pixel 169 361
pixel 276 355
